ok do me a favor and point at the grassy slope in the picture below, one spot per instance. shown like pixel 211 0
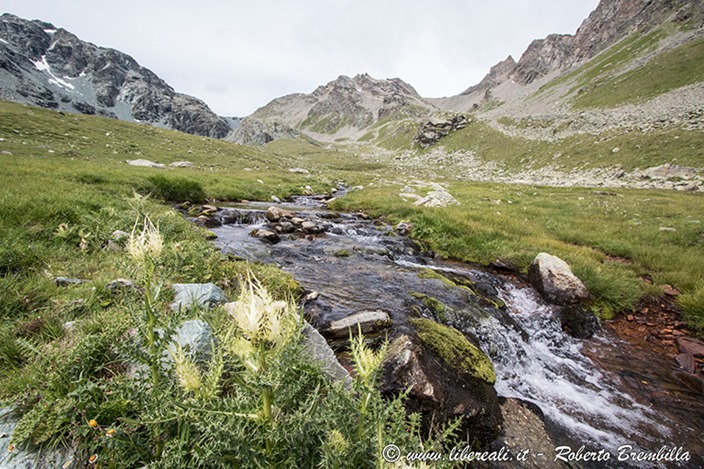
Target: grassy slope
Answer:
pixel 636 149
pixel 672 69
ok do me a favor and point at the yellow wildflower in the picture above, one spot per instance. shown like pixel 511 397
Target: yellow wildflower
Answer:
pixel 93 423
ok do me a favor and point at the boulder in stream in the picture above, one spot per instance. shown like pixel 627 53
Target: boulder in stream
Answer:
pixel 267 236
pixel 554 279
pixel 369 322
pixel 275 214
pixel 448 377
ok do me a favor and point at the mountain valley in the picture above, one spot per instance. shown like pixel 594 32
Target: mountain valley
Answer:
pixel 381 252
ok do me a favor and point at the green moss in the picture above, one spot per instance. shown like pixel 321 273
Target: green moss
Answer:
pixel 455 349
pixel 434 274
pixel 342 253
pixel 433 304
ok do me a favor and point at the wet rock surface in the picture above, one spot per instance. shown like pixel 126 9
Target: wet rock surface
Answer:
pixel 441 392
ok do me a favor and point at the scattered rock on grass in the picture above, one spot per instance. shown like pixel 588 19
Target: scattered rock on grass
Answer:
pixel 66 281
pixel 195 338
pixel 200 295
pixel 146 164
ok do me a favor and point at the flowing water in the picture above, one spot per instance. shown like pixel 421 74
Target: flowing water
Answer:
pixel 600 393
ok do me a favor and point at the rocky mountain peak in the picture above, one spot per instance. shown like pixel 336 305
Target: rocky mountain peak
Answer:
pixel 496 74
pixel 51 67
pixel 610 21
pixel 344 107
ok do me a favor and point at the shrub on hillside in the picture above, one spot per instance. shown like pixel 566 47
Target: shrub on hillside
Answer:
pixel 175 189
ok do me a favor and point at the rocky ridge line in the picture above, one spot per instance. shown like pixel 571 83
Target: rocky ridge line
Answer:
pixel 50 67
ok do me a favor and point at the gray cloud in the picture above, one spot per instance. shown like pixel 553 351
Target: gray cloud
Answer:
pixel 239 55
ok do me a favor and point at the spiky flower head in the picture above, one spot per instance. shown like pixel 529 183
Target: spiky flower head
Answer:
pixel 366 360
pixel 186 371
pixel 147 244
pixel 260 318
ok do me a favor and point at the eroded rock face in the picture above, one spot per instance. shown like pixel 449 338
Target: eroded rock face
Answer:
pixel 554 279
pixel 253 131
pixel 431 131
pixel 440 390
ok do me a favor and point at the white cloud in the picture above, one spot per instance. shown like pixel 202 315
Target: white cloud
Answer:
pixel 239 55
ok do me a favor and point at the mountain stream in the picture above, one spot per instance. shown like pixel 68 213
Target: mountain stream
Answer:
pixel 600 393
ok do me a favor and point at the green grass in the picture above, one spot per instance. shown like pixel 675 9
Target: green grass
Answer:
pixel 610 241
pixel 667 71
pixel 583 151
pixel 611 59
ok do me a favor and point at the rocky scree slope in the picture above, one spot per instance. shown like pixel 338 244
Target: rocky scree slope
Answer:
pixel 344 108
pixel 50 67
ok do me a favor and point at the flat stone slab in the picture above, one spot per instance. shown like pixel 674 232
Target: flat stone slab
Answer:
pixel 369 322
pixel 146 164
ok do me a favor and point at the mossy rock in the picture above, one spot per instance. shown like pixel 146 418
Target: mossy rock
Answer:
pixel 433 274
pixel 433 304
pixel 455 349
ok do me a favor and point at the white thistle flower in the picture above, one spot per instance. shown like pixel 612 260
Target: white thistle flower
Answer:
pixel 147 244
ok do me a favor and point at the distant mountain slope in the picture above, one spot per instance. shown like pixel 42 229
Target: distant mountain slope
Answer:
pixel 344 108
pixel 613 25
pixel 52 68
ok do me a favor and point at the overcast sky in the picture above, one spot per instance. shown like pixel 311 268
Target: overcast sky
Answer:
pixel 239 55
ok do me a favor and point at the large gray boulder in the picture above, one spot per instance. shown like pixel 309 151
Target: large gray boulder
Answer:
pixel 554 279
pixel 446 377
pixel 201 295
pixel 196 339
pixel 319 350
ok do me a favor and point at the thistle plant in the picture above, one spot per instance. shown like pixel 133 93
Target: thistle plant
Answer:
pixel 367 363
pixel 261 328
pixel 144 248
